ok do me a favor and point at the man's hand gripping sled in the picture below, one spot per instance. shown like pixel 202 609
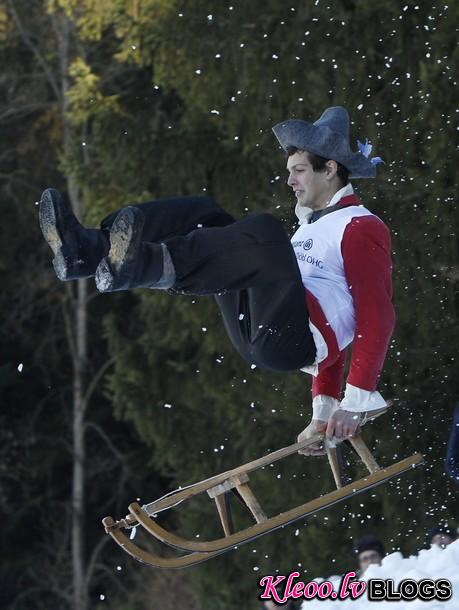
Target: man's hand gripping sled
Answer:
pixel 341 425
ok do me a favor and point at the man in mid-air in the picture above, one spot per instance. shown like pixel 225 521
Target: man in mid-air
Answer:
pixel 287 304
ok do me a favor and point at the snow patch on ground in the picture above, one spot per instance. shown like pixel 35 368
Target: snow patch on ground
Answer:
pixel 434 563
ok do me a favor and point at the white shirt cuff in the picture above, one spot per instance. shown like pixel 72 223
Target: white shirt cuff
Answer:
pixel 323 407
pixel 358 400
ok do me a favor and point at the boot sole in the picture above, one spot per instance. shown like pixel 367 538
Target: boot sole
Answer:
pixel 48 225
pixel 124 237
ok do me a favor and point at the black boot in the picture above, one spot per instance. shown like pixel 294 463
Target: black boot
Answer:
pixel 77 250
pixel 131 263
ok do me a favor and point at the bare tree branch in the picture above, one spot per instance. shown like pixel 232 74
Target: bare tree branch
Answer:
pixel 18 180
pixel 106 439
pixel 26 38
pixel 68 326
pixel 113 578
pixel 34 590
pixel 15 112
pixel 93 560
pixel 94 381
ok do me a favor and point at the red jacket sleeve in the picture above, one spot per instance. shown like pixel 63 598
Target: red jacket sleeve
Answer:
pixel 330 380
pixel 366 250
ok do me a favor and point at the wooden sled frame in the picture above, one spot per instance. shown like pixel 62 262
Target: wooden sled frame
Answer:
pixel 218 488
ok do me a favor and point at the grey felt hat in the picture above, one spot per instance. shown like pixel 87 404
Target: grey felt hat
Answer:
pixel 328 137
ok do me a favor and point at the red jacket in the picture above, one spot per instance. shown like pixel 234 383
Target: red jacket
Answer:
pixel 366 253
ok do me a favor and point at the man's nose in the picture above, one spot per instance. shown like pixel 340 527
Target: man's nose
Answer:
pixel 291 180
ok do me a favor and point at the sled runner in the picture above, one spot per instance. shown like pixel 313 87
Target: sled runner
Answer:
pixel 221 486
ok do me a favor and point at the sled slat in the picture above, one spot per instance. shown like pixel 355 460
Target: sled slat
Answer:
pixel 228 484
pixel 224 512
pixel 332 455
pixel 364 453
pixel 252 503
pixel 192 490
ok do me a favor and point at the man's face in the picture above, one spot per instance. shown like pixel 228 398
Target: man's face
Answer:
pixel 441 540
pixel 367 558
pixel 310 188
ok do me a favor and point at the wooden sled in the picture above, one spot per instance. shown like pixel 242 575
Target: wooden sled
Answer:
pixel 219 488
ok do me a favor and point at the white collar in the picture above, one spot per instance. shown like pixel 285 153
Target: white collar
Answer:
pixel 303 213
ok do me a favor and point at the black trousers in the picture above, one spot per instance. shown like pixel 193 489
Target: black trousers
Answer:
pixel 248 265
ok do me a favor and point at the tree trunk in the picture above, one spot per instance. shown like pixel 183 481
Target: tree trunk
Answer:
pixel 79 354
pixel 78 496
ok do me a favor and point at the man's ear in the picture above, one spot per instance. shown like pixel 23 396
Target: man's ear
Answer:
pixel 331 168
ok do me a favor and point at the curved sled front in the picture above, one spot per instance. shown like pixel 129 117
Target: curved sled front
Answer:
pixel 269 525
pixel 168 563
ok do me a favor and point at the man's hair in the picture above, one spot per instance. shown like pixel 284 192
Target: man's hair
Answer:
pixel 318 163
pixel 369 543
pixel 441 529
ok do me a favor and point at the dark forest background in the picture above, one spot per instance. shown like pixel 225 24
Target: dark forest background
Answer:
pixel 109 398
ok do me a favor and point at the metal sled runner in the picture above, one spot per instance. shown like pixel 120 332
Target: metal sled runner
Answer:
pixel 220 486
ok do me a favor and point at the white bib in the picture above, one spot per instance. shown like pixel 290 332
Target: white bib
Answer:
pixel 318 251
